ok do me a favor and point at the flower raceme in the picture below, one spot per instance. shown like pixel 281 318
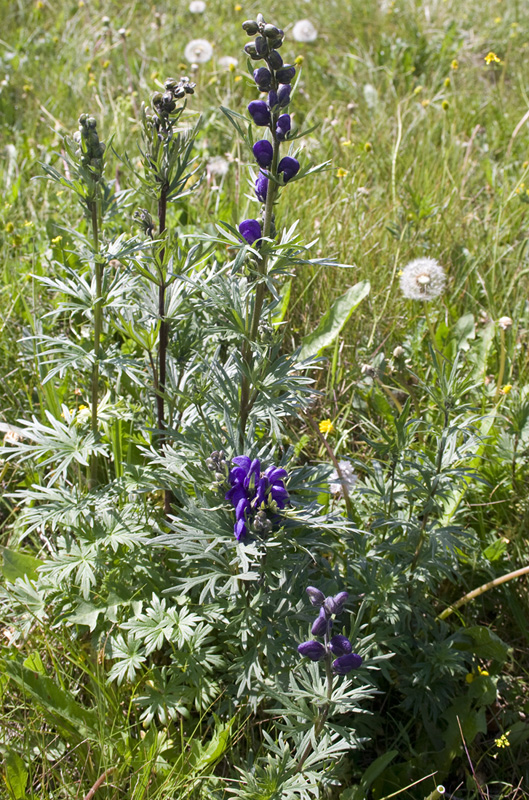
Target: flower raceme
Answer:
pixel 338 645
pixel 253 494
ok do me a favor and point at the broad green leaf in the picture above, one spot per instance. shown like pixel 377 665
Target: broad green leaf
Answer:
pixel 483 642
pixel 15 776
pixel 281 309
pixel 464 329
pixel 495 550
pixel 334 320
pixel 86 614
pixel 34 663
pixel 16 565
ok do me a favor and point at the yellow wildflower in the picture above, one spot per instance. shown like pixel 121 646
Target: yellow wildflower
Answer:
pixel 469 677
pixel 57 240
pixel 326 426
pixel 445 105
pixel 506 389
pixel 455 64
pixel 347 143
pixel 483 672
pixel 237 7
pixel 497 20
pixel 425 103
pixel 9 228
pixel 447 82
pixel 368 147
pixel 299 60
pixel 492 58
pixel 502 742
pixel 341 172
pixel 238 78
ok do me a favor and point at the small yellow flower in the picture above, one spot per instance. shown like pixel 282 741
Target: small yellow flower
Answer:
pixel 455 64
pixel 105 64
pixel 506 389
pixel 491 58
pixel 232 68
pixel 39 5
pixel 341 172
pixel 445 105
pixel 81 407
pixel 28 223
pixel 448 82
pixel 57 240
pixel 368 147
pixel 502 742
pixel 9 228
pixel 155 75
pixel 347 143
pixel 237 7
pixel 238 78
pixel 497 20
pixel 469 677
pixel 525 164
pixel 483 672
pixel 417 89
pixel 26 88
pixel 299 60
pixel 326 426
pixel 425 103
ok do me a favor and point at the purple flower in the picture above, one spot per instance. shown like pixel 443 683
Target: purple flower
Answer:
pixel 283 126
pixel 263 152
pixel 272 99
pixel 340 645
pixel 346 663
pixel 250 230
pixel 283 95
pixel 275 60
pixel 312 649
pixel 321 624
pixel 316 596
pixel 263 78
pixel 259 112
pixel 261 187
pixel 289 167
pixel 335 605
pixel 286 73
pixel 252 492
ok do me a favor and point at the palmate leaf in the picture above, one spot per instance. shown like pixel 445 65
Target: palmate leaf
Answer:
pixel 159 624
pixel 130 654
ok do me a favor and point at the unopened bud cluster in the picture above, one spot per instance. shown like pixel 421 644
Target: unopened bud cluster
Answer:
pixel 275 79
pixel 91 149
pixel 217 464
pixel 165 103
pixel 145 220
pixel 337 645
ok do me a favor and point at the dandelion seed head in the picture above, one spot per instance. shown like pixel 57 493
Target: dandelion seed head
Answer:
pixel 218 166
pixel 197 6
pixel 304 31
pixel 422 279
pixel 505 323
pixel 198 51
pixel 228 62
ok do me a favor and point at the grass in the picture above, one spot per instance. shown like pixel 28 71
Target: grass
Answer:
pixel 428 147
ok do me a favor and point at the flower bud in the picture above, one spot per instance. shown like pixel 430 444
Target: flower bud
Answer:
pixel 283 95
pixel 263 78
pixel 275 60
pixel 340 600
pixel 346 663
pixel 260 112
pixel 250 230
pixel 251 27
pixel 270 31
pixel 272 98
pixel 398 352
pixel 312 649
pixel 289 167
pixel 261 46
pixel 286 73
pixel 316 596
pixel 283 126
pixel 261 187
pixel 340 645
pixel 321 624
pixel 263 152
pixel 250 50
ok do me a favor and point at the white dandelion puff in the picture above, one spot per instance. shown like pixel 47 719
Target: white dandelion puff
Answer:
pixel 422 279
pixel 198 51
pixel 197 6
pixel 349 478
pixel 217 166
pixel 505 323
pixel 227 62
pixel 304 31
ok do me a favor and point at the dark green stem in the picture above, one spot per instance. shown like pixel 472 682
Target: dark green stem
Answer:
pixel 164 335
pixel 98 326
pixel 246 401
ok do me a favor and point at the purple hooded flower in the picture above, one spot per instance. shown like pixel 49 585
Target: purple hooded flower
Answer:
pixel 263 78
pixel 340 645
pixel 289 167
pixel 253 492
pixel 263 152
pixel 346 663
pixel 273 99
pixel 286 73
pixel 283 95
pixel 321 624
pixel 312 649
pixel 316 596
pixel 282 126
pixel 260 112
pixel 261 187
pixel 250 230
